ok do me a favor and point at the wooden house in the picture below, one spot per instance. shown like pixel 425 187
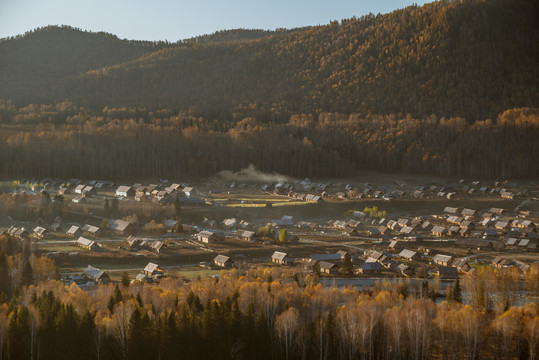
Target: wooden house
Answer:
pixel 223 261
pixel 86 243
pixel 246 235
pixel 40 232
pixel 125 191
pixel 153 270
pixel 409 255
pixel 443 260
pixel 280 258
pixel 447 272
pixel 370 268
pixel 328 268
pixel 209 237
pixel 74 231
pixel 121 226
pixel 96 275
pixel 439 231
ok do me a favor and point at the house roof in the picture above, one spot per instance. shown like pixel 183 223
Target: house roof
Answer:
pixel 279 255
pixel 222 258
pixel 157 245
pixel 123 189
pixel 402 267
pixel 447 270
pixel 468 212
pixel 326 265
pixel 40 230
pixel 85 242
pixel 438 230
pixel 245 233
pixel 325 257
pixel 511 241
pixel 451 210
pixel 118 225
pixel 370 266
pixel 93 272
pixel 407 253
pixel 442 258
pixel 151 267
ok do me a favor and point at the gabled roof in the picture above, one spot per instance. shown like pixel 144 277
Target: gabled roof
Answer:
pixel 407 253
pixel 40 230
pixel 93 272
pixel 451 210
pixel 123 189
pixel 245 233
pixel 85 242
pixel 442 258
pixel 151 267
pixel 326 265
pixel 222 258
pixel 438 230
pixel 511 241
pixel 279 255
pixel 468 212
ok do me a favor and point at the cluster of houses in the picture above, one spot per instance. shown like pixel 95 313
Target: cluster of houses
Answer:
pixel 161 194
pixel 135 244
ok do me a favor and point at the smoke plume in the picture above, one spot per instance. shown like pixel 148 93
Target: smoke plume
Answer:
pixel 251 174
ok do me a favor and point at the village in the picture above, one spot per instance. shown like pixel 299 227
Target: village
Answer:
pixel 98 230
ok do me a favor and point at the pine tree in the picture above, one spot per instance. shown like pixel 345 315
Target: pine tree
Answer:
pixel 456 293
pixel 125 279
pixel 283 236
pixel 347 267
pixel 27 273
pixel 177 207
pixel 107 207
pixel 316 268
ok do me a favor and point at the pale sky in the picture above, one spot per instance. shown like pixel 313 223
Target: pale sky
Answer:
pixel 174 20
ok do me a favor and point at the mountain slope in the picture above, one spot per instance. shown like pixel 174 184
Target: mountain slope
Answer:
pixel 472 59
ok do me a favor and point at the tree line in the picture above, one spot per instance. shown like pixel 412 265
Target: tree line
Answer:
pixel 263 314
pixel 65 141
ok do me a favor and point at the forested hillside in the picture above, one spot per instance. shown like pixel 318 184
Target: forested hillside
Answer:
pixel 449 88
pixel 473 59
pixel 65 141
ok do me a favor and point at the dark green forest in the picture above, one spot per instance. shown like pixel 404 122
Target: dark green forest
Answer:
pixel 448 88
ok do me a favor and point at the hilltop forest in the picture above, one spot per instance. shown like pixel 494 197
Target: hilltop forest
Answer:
pixel 448 88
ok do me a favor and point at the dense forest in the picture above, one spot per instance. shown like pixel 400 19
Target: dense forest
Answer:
pixel 449 88
pixel 261 314
pixel 63 140
pixel 471 59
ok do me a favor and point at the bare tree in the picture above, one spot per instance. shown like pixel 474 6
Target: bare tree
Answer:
pixel 286 325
